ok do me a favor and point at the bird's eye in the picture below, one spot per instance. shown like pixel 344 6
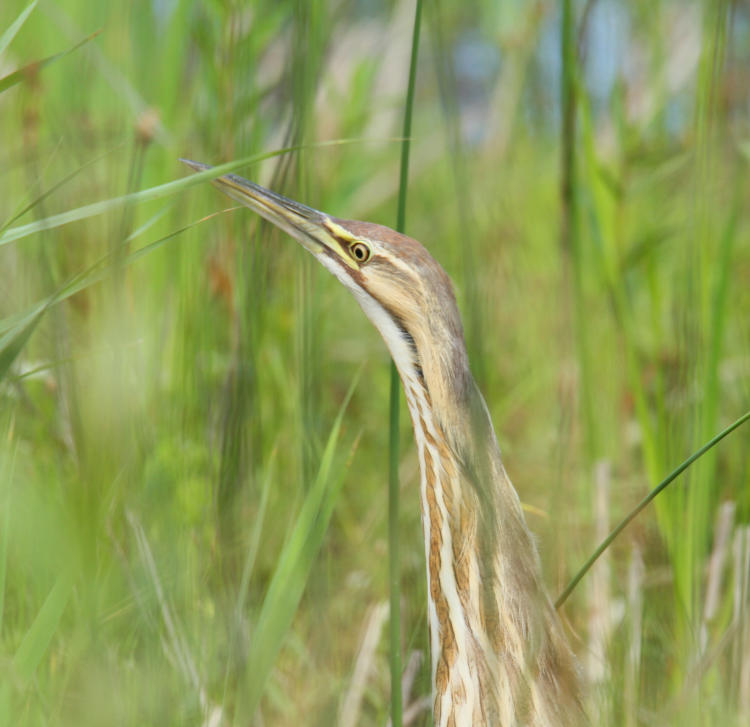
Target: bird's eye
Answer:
pixel 360 252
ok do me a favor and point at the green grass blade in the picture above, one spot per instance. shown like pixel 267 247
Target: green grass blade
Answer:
pixel 99 270
pixel 28 71
pixel 7 37
pixel 24 208
pixel 14 326
pixel 394 560
pixel 7 477
pixel 643 503
pixel 12 342
pixel 152 193
pixel 17 329
pixel 38 638
pixel 145 195
pixel 254 540
pixel 5 715
pixel 3 560
pixel 294 564
pixel 408 112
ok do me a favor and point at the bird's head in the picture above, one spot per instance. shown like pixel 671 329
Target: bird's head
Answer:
pixel 398 284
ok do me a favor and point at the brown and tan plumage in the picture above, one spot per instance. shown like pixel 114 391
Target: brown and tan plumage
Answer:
pixel 499 655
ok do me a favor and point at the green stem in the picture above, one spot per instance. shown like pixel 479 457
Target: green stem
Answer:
pixel 393 455
pixel 642 504
pixel 406 143
pixel 393 554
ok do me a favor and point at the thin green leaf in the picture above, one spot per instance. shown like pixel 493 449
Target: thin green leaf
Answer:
pixel 98 271
pixel 252 551
pixel 24 208
pixel 18 328
pixel 13 342
pixel 293 568
pixel 32 69
pixel 147 195
pixel 38 638
pixel 5 717
pixel 642 504
pixel 7 476
pixel 7 37
pixel 394 568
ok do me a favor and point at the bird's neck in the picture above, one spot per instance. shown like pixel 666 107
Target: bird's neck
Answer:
pixel 493 633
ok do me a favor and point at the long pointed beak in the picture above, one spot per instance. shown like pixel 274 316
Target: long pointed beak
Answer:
pixel 304 224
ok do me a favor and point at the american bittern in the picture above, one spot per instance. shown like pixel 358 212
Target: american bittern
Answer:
pixel 499 655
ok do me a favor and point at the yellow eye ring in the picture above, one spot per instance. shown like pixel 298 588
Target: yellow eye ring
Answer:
pixel 360 251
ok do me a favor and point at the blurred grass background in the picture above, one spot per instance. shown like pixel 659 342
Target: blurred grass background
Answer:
pixel 193 511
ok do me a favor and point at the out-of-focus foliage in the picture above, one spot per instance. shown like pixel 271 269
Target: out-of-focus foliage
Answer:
pixel 164 416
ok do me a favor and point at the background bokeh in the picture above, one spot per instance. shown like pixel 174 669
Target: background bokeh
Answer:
pixel 187 535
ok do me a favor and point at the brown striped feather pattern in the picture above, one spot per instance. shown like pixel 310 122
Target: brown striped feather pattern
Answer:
pixel 499 654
